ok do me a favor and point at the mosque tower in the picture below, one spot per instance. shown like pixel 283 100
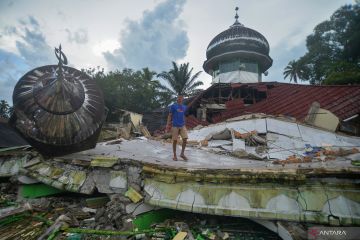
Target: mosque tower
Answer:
pixel 237 55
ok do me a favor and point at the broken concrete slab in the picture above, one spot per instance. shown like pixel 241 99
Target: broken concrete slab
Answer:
pixel 139 208
pixel 207 182
pixel 241 126
pixel 218 143
pixel 118 181
pixel 102 181
pixel 238 145
pixel 33 161
pixel 260 200
pixel 109 181
pixel 283 127
pixel 27 180
pixel 89 185
pixel 282 146
pixel 103 161
pixel 133 195
pixel 221 135
pixel 10 166
pixel 57 176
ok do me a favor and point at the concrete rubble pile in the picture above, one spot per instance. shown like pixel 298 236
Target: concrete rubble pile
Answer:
pixel 274 139
pixel 114 131
pixel 129 126
pixel 64 215
pixel 236 168
pixel 68 216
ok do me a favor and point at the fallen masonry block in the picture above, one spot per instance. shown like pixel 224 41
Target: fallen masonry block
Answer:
pixel 104 161
pixel 180 236
pixel 96 202
pixel 133 195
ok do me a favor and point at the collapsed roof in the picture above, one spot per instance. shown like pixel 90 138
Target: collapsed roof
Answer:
pixel 223 101
pixel 293 100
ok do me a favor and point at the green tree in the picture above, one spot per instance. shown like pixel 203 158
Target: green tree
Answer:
pixel 332 43
pixel 131 90
pixel 5 109
pixel 180 80
pixel 162 96
pixel 343 73
pixel 295 71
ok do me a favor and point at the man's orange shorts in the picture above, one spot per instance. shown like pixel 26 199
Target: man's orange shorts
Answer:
pixel 176 131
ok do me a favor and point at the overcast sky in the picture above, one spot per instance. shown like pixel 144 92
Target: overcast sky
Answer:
pixel 150 33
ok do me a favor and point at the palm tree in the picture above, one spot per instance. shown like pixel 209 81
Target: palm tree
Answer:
pixel 294 71
pixel 160 93
pixel 180 80
pixel 147 75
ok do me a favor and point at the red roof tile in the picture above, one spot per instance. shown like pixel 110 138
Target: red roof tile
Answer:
pixel 192 122
pixel 295 100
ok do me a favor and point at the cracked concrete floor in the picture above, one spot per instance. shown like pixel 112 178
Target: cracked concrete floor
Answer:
pixel 160 153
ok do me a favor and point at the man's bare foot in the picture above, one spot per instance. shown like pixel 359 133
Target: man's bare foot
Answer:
pixel 184 157
pixel 175 158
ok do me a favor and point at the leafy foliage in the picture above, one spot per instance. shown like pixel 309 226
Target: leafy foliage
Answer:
pixel 5 109
pixel 180 80
pixel 334 44
pixel 135 91
pixel 140 91
pixel 343 73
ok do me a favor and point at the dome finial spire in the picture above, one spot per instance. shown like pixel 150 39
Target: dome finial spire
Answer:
pixel 236 14
pixel 236 23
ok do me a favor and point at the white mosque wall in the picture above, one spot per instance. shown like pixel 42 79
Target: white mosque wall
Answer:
pixel 236 77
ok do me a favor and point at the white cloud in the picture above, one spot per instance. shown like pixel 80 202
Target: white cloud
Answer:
pixel 108 45
pixel 285 23
pixel 80 36
pixel 154 41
